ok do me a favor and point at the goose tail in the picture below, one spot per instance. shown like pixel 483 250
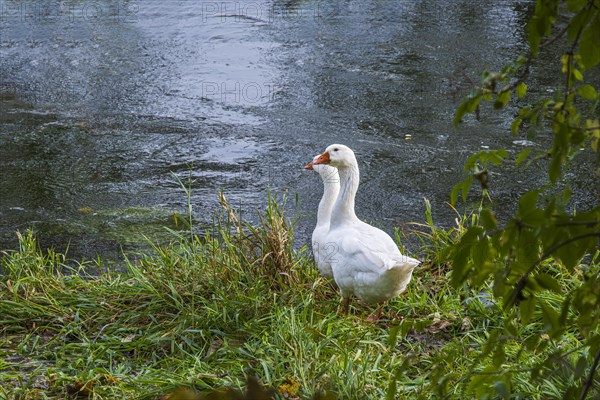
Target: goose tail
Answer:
pixel 406 263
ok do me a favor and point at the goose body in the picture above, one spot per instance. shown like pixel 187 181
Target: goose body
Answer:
pixel 322 251
pixel 366 262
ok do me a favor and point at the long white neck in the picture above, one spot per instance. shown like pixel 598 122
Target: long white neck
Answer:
pixel 331 188
pixel 343 209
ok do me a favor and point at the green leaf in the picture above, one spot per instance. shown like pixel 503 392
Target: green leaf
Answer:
pixel 528 202
pixel 560 150
pixel 460 112
pixel 491 343
pixel 499 283
pixel 480 252
pixel 577 22
pixel 529 250
pixel 472 161
pixel 498 357
pixel 487 219
pixel 581 366
pixel 531 342
pixel 460 261
pixel 533 36
pixel 472 104
pixel 571 253
pixel 535 28
pixel 521 90
pixel 550 316
pixel 465 187
pixel 574 5
pixel 565 310
pixel 502 100
pixel 497 156
pixel 528 212
pixel 555 169
pixel 589 45
pixel 540 23
pixel 587 92
pixel 467 106
pixel 511 327
pixel 516 124
pixel 501 390
pixel 522 156
pixel 454 194
pixel 526 309
pixel 548 282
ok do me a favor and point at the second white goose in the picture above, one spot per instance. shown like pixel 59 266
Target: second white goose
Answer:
pixel 365 260
pixel 322 251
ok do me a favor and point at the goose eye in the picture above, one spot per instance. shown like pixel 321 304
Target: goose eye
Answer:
pixel 336 149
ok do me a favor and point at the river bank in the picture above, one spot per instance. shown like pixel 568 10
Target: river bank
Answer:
pixel 203 313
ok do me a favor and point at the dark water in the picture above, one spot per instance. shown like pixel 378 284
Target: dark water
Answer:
pixel 105 105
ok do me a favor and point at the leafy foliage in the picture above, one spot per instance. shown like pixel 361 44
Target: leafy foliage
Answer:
pixel 524 261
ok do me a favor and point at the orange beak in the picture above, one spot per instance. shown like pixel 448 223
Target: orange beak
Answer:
pixel 309 165
pixel 323 159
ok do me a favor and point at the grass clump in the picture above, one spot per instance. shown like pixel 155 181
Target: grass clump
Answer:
pixel 241 311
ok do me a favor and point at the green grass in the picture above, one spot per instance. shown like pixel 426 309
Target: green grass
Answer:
pixel 206 312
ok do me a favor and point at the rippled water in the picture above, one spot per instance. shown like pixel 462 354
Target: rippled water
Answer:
pixel 104 105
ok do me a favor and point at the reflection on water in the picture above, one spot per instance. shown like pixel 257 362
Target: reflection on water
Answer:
pixel 105 105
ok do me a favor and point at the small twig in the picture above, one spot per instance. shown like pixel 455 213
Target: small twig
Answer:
pixel 502 371
pixel 577 223
pixel 523 280
pixel 571 60
pixel 590 379
pixel 560 34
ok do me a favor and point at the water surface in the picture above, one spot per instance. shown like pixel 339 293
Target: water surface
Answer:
pixel 106 105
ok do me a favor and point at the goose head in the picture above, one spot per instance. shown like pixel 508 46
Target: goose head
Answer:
pixel 338 156
pixel 328 173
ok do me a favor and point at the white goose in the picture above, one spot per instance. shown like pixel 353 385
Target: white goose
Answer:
pixel 367 262
pixel 331 188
